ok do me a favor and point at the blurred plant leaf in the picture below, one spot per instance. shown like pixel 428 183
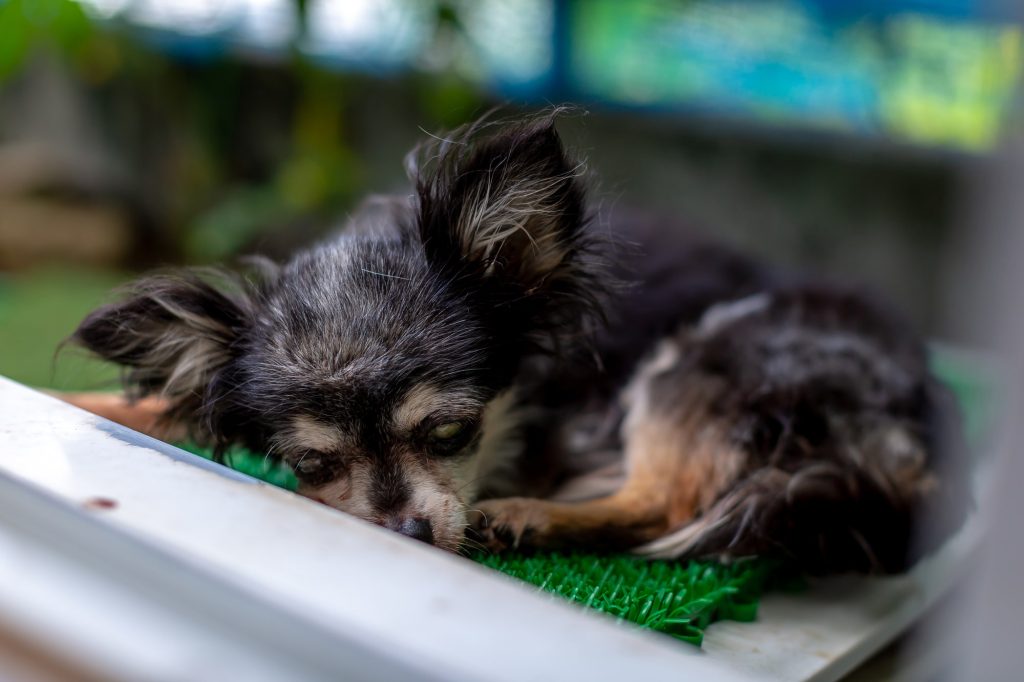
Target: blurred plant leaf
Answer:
pixel 234 222
pixel 449 100
pixel 25 25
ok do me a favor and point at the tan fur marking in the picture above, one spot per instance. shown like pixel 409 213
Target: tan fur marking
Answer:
pixel 313 434
pixel 347 493
pixel 416 405
pixel 424 400
pixel 435 497
pixel 519 214
pixel 497 449
pixel 196 357
pixel 678 462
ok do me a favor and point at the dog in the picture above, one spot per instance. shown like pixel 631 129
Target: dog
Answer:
pixel 485 363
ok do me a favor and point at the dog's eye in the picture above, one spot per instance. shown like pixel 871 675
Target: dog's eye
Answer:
pixel 309 464
pixel 313 467
pixel 447 431
pixel 447 438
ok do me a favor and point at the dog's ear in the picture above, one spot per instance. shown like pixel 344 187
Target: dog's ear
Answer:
pixel 171 333
pixel 503 201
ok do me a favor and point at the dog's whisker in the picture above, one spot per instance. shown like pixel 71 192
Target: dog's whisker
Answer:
pixel 384 274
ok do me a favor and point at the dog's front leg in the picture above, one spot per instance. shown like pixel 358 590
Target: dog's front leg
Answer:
pixel 614 523
pixel 675 469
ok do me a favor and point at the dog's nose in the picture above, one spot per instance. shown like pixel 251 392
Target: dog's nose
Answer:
pixel 415 527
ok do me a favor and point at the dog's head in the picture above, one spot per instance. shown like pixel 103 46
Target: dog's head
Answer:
pixel 381 365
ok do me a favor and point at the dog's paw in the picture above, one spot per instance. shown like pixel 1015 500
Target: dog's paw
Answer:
pixel 511 523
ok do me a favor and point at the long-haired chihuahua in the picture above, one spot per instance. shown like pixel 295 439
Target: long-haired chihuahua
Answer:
pixel 482 362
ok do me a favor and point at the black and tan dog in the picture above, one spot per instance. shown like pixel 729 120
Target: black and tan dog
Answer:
pixel 482 338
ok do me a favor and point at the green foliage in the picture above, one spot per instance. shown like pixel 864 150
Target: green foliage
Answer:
pixel 28 24
pixel 952 82
pixel 221 192
pixel 40 309
pixel 229 225
pixel 449 101
pixel 932 80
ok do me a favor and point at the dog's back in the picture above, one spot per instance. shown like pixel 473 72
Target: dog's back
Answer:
pixel 833 444
pixel 846 437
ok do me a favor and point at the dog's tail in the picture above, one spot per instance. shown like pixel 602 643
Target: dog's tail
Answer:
pixel 824 517
pixel 804 516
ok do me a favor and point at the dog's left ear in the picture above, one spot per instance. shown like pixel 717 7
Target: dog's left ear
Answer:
pixel 172 333
pixel 502 201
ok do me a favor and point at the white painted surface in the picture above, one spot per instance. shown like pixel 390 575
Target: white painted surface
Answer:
pixel 838 624
pixel 368 603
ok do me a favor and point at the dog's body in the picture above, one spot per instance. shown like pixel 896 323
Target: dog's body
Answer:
pixel 448 352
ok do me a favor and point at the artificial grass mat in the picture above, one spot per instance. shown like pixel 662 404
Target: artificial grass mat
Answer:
pixel 677 598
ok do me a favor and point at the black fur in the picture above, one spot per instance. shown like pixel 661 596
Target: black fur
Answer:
pixel 491 277
pixel 831 397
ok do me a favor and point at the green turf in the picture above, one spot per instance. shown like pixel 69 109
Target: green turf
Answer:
pixel 676 598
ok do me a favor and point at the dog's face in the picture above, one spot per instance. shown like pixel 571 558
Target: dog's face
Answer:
pixel 381 383
pixel 381 366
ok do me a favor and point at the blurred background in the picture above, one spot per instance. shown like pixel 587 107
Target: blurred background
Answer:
pixel 841 136
pixel 853 138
